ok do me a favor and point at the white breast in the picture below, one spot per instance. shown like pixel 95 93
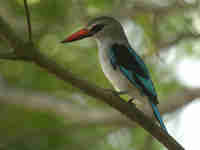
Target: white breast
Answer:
pixel 117 79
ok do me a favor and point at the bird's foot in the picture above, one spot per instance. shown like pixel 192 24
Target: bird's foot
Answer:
pixel 121 92
pixel 131 100
pixel 118 93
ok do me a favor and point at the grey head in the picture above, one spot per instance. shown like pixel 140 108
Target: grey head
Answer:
pixel 101 28
pixel 106 27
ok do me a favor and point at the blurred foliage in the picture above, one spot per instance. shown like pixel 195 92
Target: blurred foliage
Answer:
pixel 26 129
pixel 149 36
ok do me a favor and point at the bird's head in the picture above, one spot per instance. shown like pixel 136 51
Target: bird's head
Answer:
pixel 98 27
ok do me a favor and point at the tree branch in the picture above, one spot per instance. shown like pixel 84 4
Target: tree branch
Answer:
pixel 82 116
pixel 159 12
pixel 8 56
pixel 179 38
pixel 76 114
pixel 178 100
pixel 176 6
pixel 31 52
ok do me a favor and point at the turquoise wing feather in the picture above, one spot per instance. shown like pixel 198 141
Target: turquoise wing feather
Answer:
pixel 133 67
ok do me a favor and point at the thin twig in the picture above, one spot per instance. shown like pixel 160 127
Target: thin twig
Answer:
pixel 28 21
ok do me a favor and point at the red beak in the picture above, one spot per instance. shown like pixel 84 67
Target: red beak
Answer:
pixel 83 33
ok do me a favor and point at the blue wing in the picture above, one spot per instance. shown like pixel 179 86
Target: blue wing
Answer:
pixel 133 67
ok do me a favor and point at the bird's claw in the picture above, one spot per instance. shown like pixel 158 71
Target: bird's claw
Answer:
pixel 116 92
pixel 131 100
pixel 120 93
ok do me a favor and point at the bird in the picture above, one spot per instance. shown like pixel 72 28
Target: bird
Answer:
pixel 122 66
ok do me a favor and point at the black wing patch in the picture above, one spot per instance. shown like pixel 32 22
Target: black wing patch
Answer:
pixel 133 68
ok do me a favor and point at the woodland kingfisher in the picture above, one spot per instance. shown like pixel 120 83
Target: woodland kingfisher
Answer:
pixel 123 67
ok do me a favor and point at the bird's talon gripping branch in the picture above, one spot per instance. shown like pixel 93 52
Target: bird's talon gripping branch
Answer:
pixel 131 100
pixel 110 90
pixel 121 92
pixel 117 93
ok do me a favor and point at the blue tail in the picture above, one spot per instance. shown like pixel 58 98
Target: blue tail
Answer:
pixel 157 115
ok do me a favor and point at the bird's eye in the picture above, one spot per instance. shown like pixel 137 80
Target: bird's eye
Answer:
pixel 97 27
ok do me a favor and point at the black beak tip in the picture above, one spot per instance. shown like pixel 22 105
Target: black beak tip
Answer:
pixel 63 41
